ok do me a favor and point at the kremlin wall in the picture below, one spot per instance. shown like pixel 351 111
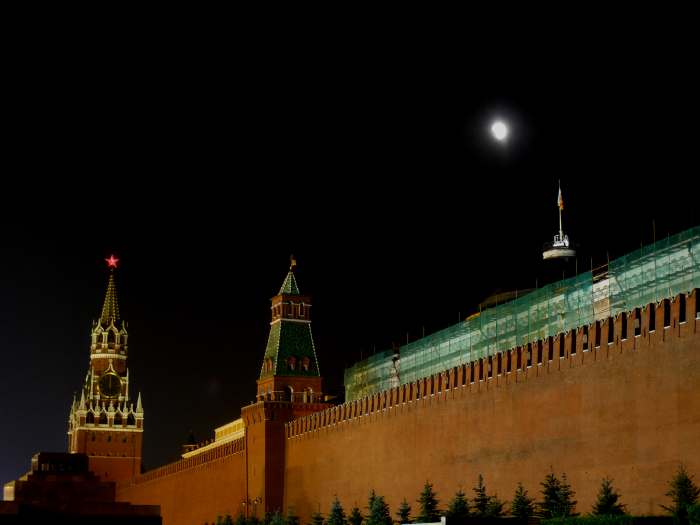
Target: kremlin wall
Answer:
pixel 614 396
pixel 594 376
pixel 629 410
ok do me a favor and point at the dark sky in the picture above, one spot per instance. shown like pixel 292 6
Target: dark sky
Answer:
pixel 204 167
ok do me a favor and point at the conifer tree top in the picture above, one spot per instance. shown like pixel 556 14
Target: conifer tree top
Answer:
pixel 607 503
pixel 427 504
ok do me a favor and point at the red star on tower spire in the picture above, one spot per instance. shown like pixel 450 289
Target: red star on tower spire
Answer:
pixel 112 261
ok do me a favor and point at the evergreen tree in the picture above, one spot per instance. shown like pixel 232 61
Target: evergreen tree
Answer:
pixel 291 518
pixel 240 519
pixel 458 509
pixel 370 500
pixel 522 506
pixel 566 495
pixel 557 497
pixel 337 515
pixel 379 513
pixel 549 506
pixel 277 519
pixel 683 493
pixel 481 499
pixel 494 509
pixel 694 514
pixel 228 520
pixel 404 513
pixel 317 518
pixel 355 517
pixel 427 504
pixel 607 503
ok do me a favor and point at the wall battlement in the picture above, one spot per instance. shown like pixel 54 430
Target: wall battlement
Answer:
pixel 625 332
pixel 226 449
pixel 652 273
pixel 196 489
pixel 615 398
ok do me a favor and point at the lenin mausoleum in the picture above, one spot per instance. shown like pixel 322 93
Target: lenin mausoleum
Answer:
pixel 596 376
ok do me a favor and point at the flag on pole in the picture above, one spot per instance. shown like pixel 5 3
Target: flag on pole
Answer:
pixel 560 201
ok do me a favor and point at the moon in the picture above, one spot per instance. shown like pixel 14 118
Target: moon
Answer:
pixel 499 130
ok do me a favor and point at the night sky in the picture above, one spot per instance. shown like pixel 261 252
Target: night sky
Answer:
pixel 203 172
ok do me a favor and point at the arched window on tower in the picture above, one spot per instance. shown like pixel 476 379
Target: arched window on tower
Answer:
pixel 288 393
pixel 103 418
pixel 111 338
pixel 292 363
pixel 305 362
pixel 118 419
pixel 131 420
pixel 90 419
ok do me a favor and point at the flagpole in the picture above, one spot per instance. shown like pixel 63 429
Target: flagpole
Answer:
pixel 559 201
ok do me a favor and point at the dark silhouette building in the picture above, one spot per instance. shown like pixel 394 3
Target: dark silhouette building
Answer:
pixel 61 489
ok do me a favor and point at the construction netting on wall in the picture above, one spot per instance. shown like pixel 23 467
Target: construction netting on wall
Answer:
pixel 655 272
pixel 649 274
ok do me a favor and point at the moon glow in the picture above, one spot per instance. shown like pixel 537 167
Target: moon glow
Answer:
pixel 499 130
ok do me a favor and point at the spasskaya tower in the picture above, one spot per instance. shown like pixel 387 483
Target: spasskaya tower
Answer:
pixel 104 422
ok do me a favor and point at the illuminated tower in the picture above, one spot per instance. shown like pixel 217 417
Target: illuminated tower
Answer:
pixel 104 423
pixel 290 368
pixel 289 387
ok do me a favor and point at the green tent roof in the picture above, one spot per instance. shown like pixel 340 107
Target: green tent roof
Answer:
pixel 289 286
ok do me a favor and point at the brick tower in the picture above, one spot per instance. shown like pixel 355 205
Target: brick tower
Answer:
pixel 103 423
pixel 290 386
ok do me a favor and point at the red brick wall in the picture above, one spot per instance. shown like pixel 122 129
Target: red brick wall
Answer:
pixel 196 490
pixel 114 455
pixel 629 410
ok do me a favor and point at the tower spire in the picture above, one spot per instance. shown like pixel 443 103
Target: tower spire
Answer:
pixel 290 350
pixel 110 308
pixel 289 286
pixel 104 397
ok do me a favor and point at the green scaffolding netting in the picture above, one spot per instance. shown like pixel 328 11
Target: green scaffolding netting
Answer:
pixel 647 275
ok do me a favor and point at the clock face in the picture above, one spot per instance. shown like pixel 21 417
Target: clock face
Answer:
pixel 110 385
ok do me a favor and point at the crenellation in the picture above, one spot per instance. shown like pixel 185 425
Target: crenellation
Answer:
pixel 565 351
pixel 223 451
